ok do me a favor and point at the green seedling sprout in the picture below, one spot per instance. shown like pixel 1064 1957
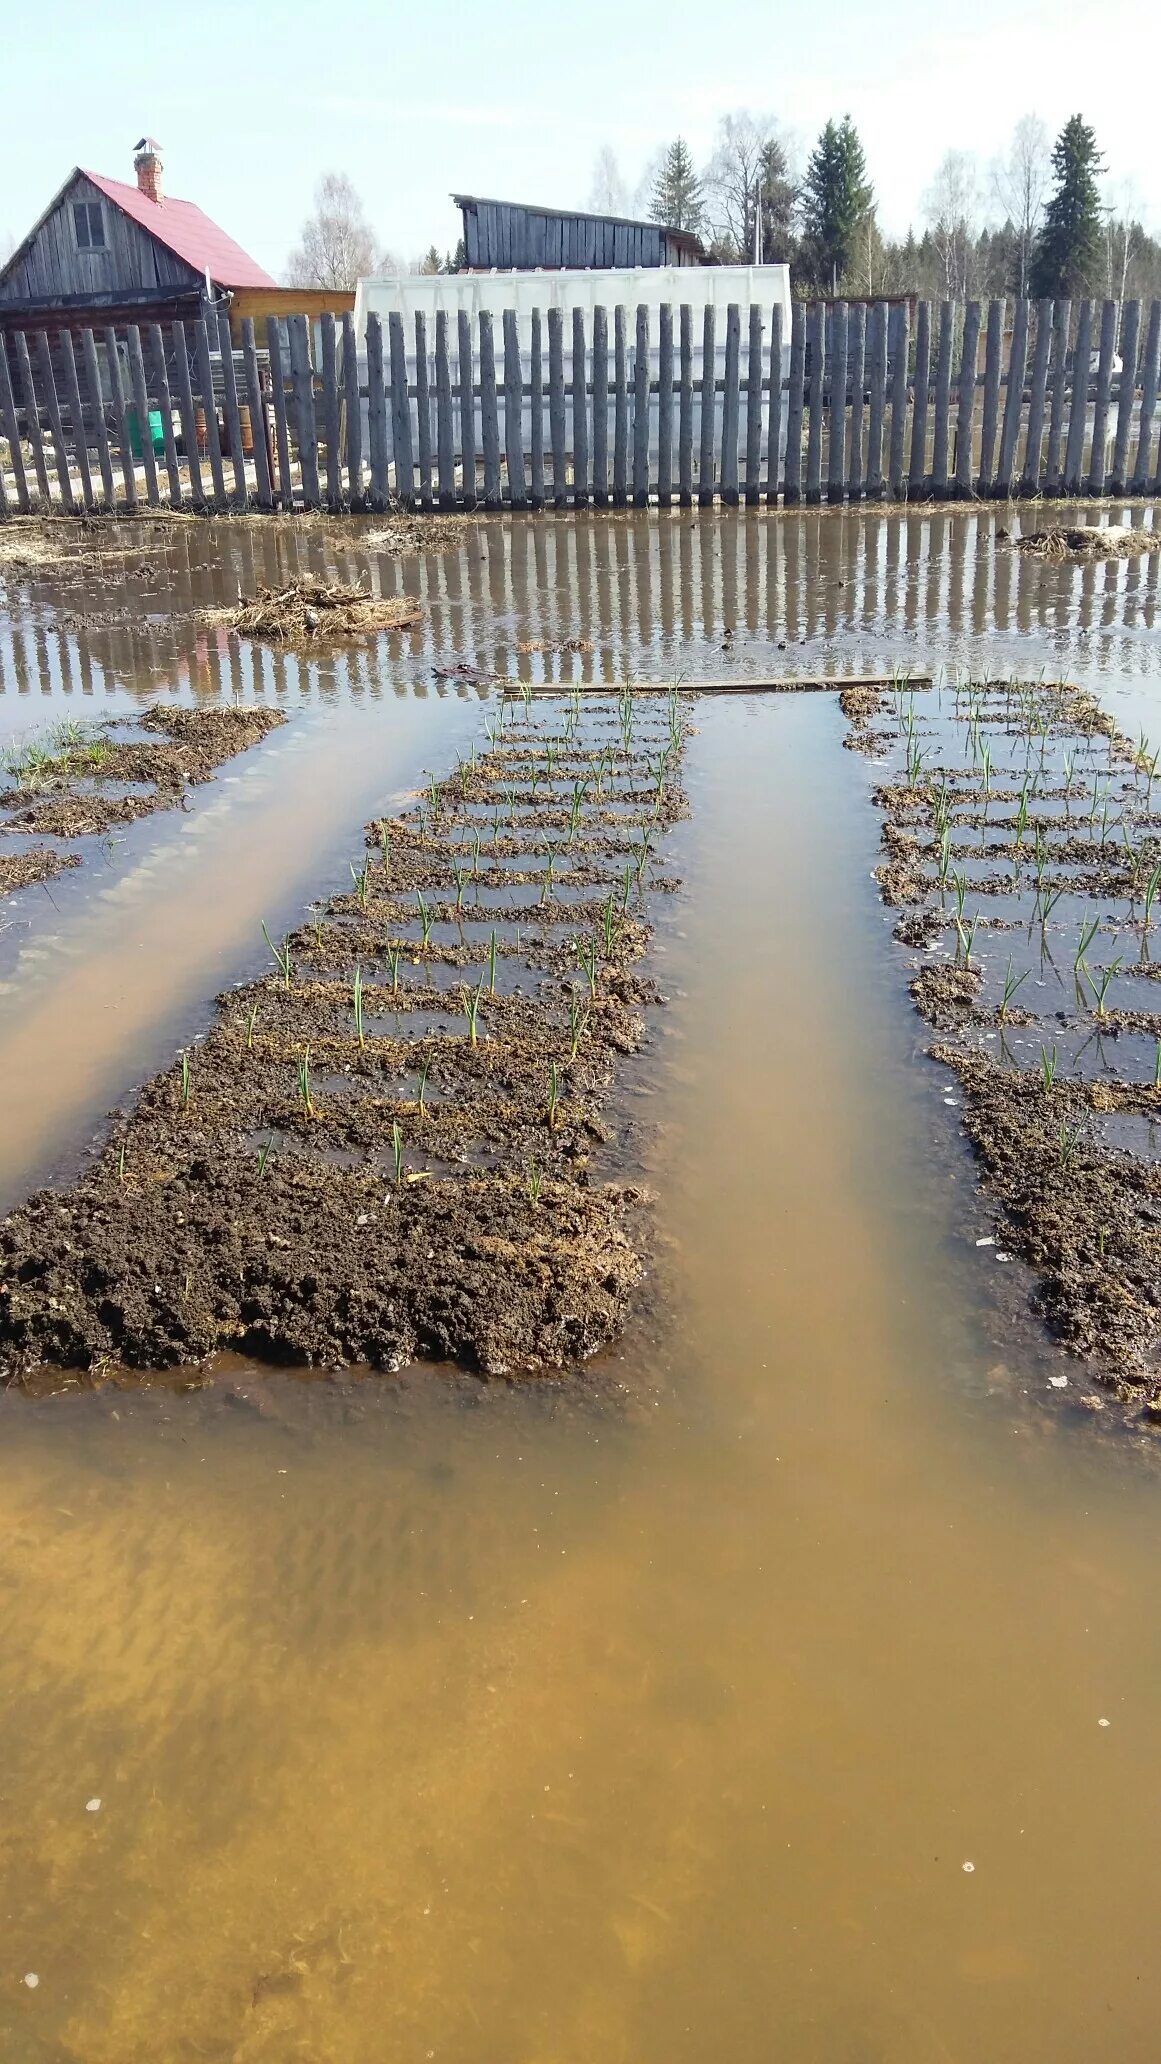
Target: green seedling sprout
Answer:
pixel 1068 1142
pixel 553 1094
pixel 281 955
pixel 361 876
pixel 461 877
pixel 492 963
pixel 944 855
pixel 394 955
pixel 1102 985
pixel 397 1151
pixel 578 1024
pixel 185 1082
pixel 587 957
pixel 610 925
pixel 471 1003
pixel 423 1075
pixel 304 1084
pixel 1088 932
pixel 535 1179
pixel 967 938
pixel 357 988
pixel 626 890
pixel 425 917
pixel 1151 887
pixel 251 1021
pixel 1012 982
pixel 1048 1067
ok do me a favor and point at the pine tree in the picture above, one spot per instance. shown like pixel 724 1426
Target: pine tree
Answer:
pixel 837 198
pixel 677 200
pixel 1068 250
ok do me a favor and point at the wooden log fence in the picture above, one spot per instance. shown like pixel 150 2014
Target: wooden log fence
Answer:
pixel 853 401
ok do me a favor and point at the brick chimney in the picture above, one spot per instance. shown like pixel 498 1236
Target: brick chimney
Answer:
pixel 147 165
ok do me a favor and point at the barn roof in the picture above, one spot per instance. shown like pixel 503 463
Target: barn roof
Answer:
pixel 688 237
pixel 184 229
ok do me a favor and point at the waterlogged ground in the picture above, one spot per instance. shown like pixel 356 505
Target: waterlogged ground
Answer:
pixel 647 1717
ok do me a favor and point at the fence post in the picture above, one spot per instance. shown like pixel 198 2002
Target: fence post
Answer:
pixel 620 410
pixel 685 409
pixel 1030 479
pixel 899 401
pixel 601 407
pixel 773 449
pixel 836 454
pixel 185 405
pixel 792 489
pixel 1061 316
pixel 52 405
pixel 259 429
pixel 878 386
pixel 353 401
pixel 302 388
pixel 445 434
pixel 12 429
pixel 856 349
pixel 330 388
pixel 1014 398
pixel 709 384
pixel 917 479
pixel 536 403
pixel 156 344
pixel 32 419
pixel 423 410
pixel 580 420
pixel 141 411
pixel 401 450
pixel 128 474
pixel 967 400
pixel 77 416
pixel 942 403
pixel 991 393
pixel 730 401
pixel 514 413
pixel 1078 416
pixel 664 405
pixel 278 402
pixel 1100 421
pixel 814 429
pixel 753 489
pixel 641 410
pixel 489 417
pixel 1126 394
pixel 556 406
pixel 1150 371
pixel 376 414
pixel 467 383
pixel 233 414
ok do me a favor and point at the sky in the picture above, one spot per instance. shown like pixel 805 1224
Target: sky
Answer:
pixel 253 102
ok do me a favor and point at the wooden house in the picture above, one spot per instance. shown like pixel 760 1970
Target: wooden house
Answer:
pixel 104 252
pixel 512 236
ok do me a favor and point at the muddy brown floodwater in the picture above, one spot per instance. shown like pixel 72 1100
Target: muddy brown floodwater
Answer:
pixel 786 1684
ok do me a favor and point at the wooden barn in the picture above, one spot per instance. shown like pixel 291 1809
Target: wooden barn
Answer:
pixel 512 236
pixel 104 252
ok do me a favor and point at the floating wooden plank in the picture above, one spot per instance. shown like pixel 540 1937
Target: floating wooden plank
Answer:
pixel 773 449
pixel 942 423
pixel 1126 394
pixel 917 475
pixel 1061 317
pixel 665 405
pixel 233 413
pixel 685 407
pixel 792 491
pixel 56 427
pixel 1013 399
pixel 556 406
pixel 401 446
pixel 709 365
pixel 256 403
pixel 278 400
pixel 731 405
pixel 992 357
pixel 423 412
pixel 877 385
pixel 77 419
pixel 753 481
pixel 32 420
pixel 641 410
pixel 969 358
pixel 788 684
pixel 11 428
pixel 899 403
pixel 121 420
pixel 1150 375
pixel 836 458
pixel 185 409
pixel 580 419
pixel 601 407
pixel 467 386
pixel 1100 421
pixel 856 352
pixel 817 337
pixel 489 417
pixel 1078 418
pixel 302 387
pixel 514 413
pixel 353 407
pixel 1030 478
pixel 620 410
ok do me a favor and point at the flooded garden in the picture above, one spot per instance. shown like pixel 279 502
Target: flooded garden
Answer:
pixel 578 1291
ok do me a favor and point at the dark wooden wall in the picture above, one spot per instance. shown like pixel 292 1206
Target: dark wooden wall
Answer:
pixel 53 270
pixel 507 236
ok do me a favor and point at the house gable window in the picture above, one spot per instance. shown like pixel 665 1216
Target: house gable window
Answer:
pixel 89 225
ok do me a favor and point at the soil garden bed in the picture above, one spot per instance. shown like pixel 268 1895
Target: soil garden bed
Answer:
pixel 83 780
pixel 1022 843
pixel 392 1144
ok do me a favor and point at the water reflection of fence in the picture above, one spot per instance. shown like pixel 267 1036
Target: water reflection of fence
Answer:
pixel 856 404
pixel 841 593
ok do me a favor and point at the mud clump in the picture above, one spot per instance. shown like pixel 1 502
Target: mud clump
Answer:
pixel 316 612
pixel 23 870
pixel 1087 541
pixel 402 1141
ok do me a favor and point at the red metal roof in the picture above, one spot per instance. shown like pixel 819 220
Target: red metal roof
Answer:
pixel 185 230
